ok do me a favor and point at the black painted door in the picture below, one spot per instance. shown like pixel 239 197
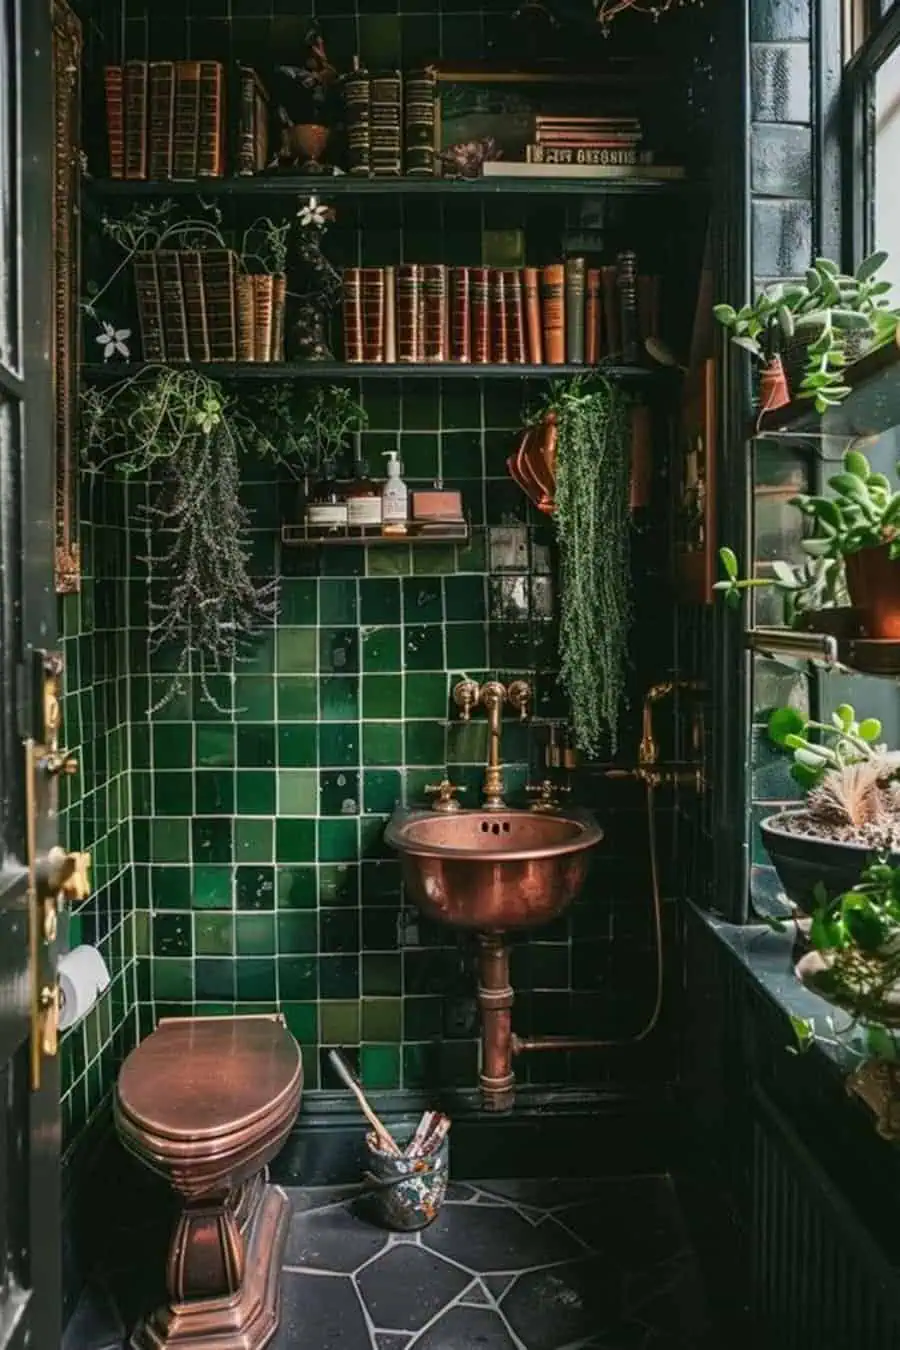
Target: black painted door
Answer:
pixel 29 1081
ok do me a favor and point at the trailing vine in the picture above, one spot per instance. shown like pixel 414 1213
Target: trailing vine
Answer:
pixel 593 525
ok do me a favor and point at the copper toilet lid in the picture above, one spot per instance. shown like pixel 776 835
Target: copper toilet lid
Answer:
pixel 194 1079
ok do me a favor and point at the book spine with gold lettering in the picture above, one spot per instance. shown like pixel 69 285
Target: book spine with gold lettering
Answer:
pixel 194 304
pixel 420 91
pixel 174 316
pixel 481 315
pixel 554 310
pixel 279 305
pixel 263 289
pixel 390 314
pixel 149 306
pixel 219 270
pixel 460 314
pixel 532 302
pixel 114 77
pixel 245 301
pixel 211 124
pixel 357 101
pixel 136 119
pixel 575 289
pixel 187 115
pixel 592 318
pixel 409 313
pixel 434 289
pixel 372 285
pixel 515 317
pixel 162 113
pixel 352 314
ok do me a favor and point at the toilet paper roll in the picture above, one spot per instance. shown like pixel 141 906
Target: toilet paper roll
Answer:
pixel 83 976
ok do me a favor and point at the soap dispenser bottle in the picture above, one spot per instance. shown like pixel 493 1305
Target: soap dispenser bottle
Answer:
pixel 394 498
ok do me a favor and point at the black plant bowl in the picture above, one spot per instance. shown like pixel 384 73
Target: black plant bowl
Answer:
pixel 805 863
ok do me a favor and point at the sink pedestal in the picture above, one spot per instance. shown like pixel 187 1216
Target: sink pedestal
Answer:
pixel 495 1001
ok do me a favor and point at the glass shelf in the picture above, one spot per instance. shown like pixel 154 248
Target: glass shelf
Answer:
pixel 320 185
pixel 334 370
pixel 861 656
pixel 418 533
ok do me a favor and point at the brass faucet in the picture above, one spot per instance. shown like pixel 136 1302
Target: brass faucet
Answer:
pixel 492 696
pixel 648 750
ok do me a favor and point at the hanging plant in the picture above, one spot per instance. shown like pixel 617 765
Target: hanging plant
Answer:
pixel 593 525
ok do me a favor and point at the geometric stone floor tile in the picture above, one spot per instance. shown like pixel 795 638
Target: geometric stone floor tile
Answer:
pixel 495 1237
pixel 407 1286
pixel 464 1327
pixel 321 1311
pixel 332 1239
pixel 550 1309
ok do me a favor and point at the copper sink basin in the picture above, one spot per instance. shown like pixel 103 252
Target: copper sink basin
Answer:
pixel 493 870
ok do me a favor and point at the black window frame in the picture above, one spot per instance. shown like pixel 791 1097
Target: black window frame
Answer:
pixel 881 40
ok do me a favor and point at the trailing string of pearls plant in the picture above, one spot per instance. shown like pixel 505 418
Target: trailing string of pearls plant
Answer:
pixel 607 10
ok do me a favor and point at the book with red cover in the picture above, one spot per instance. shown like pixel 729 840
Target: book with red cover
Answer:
pixel 499 318
pixel 409 312
pixel 372 284
pixel 211 122
pixel 612 333
pixel 245 302
pixel 532 302
pixel 352 314
pixel 515 317
pixel 357 112
pixel 149 306
pixel 219 269
pixel 136 119
pixel 114 77
pixel 481 315
pixel 162 115
pixel 194 304
pixel 187 115
pixel 460 314
pixel 592 318
pixel 263 289
pixel 436 319
pixel 174 316
pixel 554 313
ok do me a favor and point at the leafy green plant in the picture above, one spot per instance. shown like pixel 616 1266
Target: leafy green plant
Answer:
pixel 265 245
pixel 307 431
pixel 835 745
pixel 593 527
pixel 804 588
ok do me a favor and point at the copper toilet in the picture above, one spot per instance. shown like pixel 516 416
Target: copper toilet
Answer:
pixel 207 1103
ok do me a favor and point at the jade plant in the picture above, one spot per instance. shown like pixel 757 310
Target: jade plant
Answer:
pixel 818 747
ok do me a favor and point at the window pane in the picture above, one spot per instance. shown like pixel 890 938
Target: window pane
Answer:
pixel 887 159
pixel 7 185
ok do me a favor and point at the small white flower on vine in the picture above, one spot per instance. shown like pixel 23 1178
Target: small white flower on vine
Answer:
pixel 313 213
pixel 114 341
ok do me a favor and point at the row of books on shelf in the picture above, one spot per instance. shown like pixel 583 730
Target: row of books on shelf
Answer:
pixel 168 119
pixel 199 305
pixel 563 312
pixel 390 121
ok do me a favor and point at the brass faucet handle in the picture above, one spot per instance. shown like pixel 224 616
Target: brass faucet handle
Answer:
pixel 519 696
pixel 446 792
pixel 466 695
pixel 546 793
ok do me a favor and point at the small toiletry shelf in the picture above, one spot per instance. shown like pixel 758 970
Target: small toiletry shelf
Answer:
pixel 417 533
pixel 362 370
pixel 320 185
pixel 862 656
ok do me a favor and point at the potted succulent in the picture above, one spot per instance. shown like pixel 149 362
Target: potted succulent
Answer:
pixel 827 320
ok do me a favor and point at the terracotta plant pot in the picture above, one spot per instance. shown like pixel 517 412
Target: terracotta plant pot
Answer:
pixel 304 144
pixel 773 387
pixel 873 580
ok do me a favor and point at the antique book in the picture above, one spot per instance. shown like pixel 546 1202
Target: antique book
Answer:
pixel 352 314
pixel 187 113
pixel 114 77
pixel 648 306
pixel 481 315
pixel 554 309
pixel 532 302
pixel 420 101
pixel 149 306
pixel 626 281
pixel 499 318
pixel 612 342
pixel 575 284
pixel 385 124
pixel 410 346
pixel 245 300
pixel 211 122
pixel 515 317
pixel 390 314
pixel 279 306
pixel 460 308
pixel 582 153
pixel 162 113
pixel 219 268
pixel 136 119
pixel 253 129
pixel 357 95
pixel 436 320
pixel 194 304
pixel 263 290
pixel 592 317
pixel 507 168
pixel 174 315
pixel 372 287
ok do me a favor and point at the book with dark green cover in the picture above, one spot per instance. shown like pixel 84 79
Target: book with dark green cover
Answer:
pixel 575 287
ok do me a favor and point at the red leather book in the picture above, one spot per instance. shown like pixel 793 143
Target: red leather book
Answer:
pixel 149 306
pixel 136 119
pixel 211 123
pixel 245 302
pixel 553 305
pixel 187 114
pixel 263 290
pixel 390 315
pixel 592 318
pixel 162 114
pixel 372 285
pixel 515 317
pixel 608 286
pixel 114 77
pixel 357 112
pixel 460 307
pixel 532 302
pixel 434 289
pixel 499 318
pixel 194 304
pixel 352 312
pixel 174 316
pixel 481 315
pixel 219 269
pixel 409 312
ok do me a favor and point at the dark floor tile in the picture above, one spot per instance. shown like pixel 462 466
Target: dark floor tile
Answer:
pixel 485 1238
pixel 408 1286
pixel 542 1193
pixel 460 1327
pixel 475 1296
pixel 321 1311
pixel 549 1309
pixel 333 1240
pixel 668 1297
pixel 388 1341
pixel 305 1199
pixel 497 1285
pixel 638 1224
pixel 459 1193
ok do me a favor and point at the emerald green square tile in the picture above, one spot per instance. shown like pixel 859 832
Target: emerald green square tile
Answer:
pixel 389 561
pixel 256 792
pixel 382 790
pixel 297 601
pixel 382 973
pixel 462 453
pixel 173 793
pixel 379 600
pixel 302 1022
pixel 418 780
pixel 171 746
pixel 297 792
pixel 256 980
pixel 173 978
pixel 426 695
pixel 297 698
pixel 254 698
pixel 467 743
pixel 382 404
pixel 338 651
pixel 140 741
pixel 214 792
pixel 213 934
pixel 259 658
pixel 371 837
pixel 382 1019
pixel 380 1066
pixel 215 746
pixel 339 697
pixel 464 598
pixel 256 746
pixel 461 403
pixel 338 885
pixel 296 747
pixel 423 600
pixel 423 647
pixel 339 1022
pixel 381 881
pixel 212 840
pixel 170 841
pixel 255 887
pixel 296 931
pixel 338 840
pixel 337 602
pixel 171 935
pixel 343 562
pixel 425 743
pixel 214 978
pixel 338 745
pixel 310 1056
pixel 142 793
pixel 298 977
pixel 212 887
pixel 254 840
pixel 383 743
pixel 255 934
pixel 295 841
pixel 472 556
pixel 381 649
pixel 415 1066
pixel 382 696
pixel 170 888
pixel 339 792
pixel 296 887
pixel 297 651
